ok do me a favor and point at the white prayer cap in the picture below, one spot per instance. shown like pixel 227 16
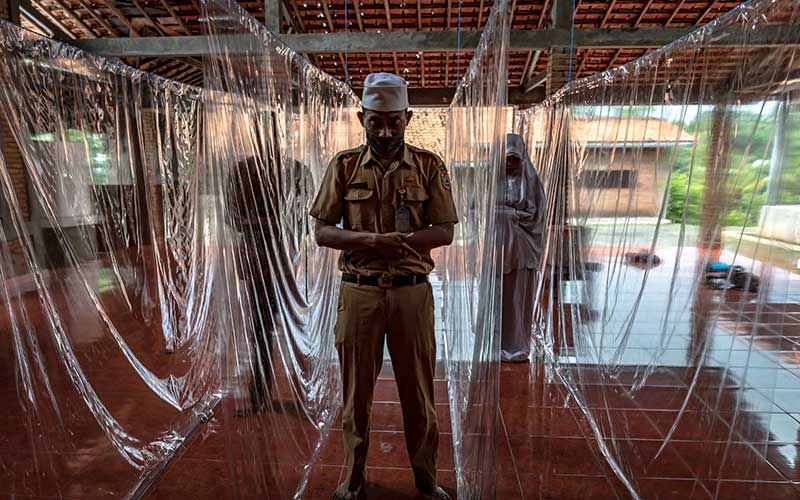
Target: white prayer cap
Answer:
pixel 385 92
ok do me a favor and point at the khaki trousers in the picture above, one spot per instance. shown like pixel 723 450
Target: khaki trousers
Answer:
pixel 404 316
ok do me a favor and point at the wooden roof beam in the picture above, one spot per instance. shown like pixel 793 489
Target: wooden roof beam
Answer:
pixel 438 41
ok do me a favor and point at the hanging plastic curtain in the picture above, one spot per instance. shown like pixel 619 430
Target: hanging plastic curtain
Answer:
pixel 670 294
pixel 106 285
pixel 272 123
pixel 470 267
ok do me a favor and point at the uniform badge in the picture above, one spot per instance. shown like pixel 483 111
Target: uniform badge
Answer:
pixel 402 216
pixel 410 179
pixel 446 179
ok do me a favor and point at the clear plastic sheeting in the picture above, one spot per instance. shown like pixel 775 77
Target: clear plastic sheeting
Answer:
pixel 667 317
pixel 107 313
pixel 157 259
pixel 273 122
pixel 471 267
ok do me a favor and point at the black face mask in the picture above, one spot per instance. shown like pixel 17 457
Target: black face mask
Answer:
pixel 385 148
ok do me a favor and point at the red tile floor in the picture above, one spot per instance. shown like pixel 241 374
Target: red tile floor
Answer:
pixel 735 435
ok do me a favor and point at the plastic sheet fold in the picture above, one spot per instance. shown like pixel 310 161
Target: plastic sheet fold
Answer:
pixel 99 266
pixel 157 259
pixel 471 267
pixel 664 319
pixel 273 122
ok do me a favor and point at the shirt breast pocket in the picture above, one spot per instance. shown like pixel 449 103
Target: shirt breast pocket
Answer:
pixel 360 208
pixel 416 198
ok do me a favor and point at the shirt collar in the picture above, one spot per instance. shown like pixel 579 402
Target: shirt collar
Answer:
pixel 407 157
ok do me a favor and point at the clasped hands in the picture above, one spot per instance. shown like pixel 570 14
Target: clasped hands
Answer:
pixel 393 245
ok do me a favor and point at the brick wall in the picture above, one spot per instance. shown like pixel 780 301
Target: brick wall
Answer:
pixel 11 152
pixel 15 165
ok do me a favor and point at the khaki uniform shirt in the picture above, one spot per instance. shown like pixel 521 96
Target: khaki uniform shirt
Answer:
pixel 356 190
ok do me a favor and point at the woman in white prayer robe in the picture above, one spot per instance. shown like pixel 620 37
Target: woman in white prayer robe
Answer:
pixel 522 216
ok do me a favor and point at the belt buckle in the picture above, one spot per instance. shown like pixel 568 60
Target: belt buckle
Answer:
pixel 385 282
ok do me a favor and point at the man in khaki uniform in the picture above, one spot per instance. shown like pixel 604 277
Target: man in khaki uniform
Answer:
pixel 395 205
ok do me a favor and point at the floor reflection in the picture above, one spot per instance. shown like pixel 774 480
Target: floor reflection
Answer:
pixel 716 416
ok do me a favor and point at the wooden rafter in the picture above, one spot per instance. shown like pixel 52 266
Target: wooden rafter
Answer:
pixel 329 18
pixel 196 80
pixel 388 14
pixel 53 19
pixel 586 53
pixel 640 17
pixel 480 16
pixel 419 15
pixel 149 63
pixel 298 17
pixel 164 65
pixel 607 13
pixel 361 28
pixel 707 10
pixel 533 55
pixel 530 66
pixel 179 72
pixel 176 16
pixel 74 17
pixel 88 7
pixel 110 4
pixel 544 15
pixel 613 59
pixel 183 75
pixel 675 11
pixel 148 17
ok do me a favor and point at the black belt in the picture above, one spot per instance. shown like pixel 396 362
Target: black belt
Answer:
pixel 385 281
